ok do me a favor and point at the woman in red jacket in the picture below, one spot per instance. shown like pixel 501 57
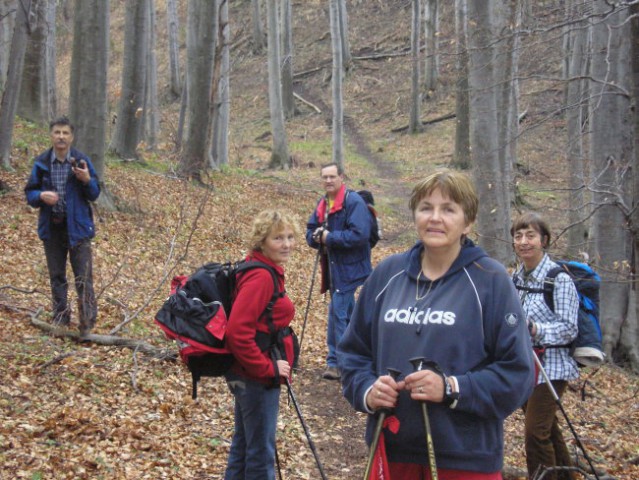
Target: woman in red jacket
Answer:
pixel 259 368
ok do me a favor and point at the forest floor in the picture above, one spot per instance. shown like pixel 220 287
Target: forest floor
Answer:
pixel 72 410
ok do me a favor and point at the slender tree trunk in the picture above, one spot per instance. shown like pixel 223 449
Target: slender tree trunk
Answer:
pixel 258 29
pixel 130 121
pixel 415 123
pixel 576 97
pixel 7 23
pixel 431 63
pixel 461 157
pixel 631 327
pixel 173 25
pixel 347 59
pixel 288 100
pixel 37 100
pixel 151 107
pixel 613 158
pixel 88 85
pixel 338 110
pixel 9 104
pixel 221 126
pixel 279 157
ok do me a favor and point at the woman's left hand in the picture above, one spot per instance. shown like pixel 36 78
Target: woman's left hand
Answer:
pixel 425 385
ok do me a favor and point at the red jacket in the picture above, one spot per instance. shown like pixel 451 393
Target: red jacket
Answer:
pixel 254 292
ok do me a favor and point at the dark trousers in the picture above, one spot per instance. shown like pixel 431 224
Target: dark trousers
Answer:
pixel 545 445
pixel 56 250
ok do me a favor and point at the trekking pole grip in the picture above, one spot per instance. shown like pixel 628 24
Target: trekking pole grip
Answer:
pixel 381 416
pixel 418 364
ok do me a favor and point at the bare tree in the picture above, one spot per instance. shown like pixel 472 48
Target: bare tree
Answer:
pixel 415 123
pixel 9 104
pixel 37 100
pixel 611 149
pixel 200 46
pixel 431 44
pixel 173 25
pixel 461 157
pixel 288 98
pixel 130 121
pixel 338 73
pixel 88 85
pixel 279 156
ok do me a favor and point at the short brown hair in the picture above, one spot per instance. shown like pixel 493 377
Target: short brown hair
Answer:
pixel 455 185
pixel 536 222
pixel 61 121
pixel 268 221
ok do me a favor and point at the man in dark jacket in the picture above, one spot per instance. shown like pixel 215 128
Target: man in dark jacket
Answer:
pixel 62 183
pixel 340 228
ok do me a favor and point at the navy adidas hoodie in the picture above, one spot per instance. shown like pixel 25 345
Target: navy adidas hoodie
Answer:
pixel 472 325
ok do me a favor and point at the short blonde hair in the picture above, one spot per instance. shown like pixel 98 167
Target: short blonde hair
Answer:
pixel 268 221
pixel 455 185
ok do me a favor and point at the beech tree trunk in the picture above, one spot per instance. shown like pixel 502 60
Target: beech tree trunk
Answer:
pixel 130 121
pixel 7 22
pixel 279 157
pixel 288 99
pixel 173 25
pixel 151 106
pixel 494 215
pixel 259 39
pixel 461 157
pixel 200 46
pixel 431 57
pixel 611 150
pixel 415 123
pixel 37 101
pixel 338 72
pixel 221 111
pixel 88 85
pixel 9 103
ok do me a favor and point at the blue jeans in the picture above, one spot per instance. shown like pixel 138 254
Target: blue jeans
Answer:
pixel 339 315
pixel 252 454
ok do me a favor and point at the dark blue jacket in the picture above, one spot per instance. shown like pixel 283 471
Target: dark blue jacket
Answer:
pixel 471 323
pixel 79 214
pixel 347 247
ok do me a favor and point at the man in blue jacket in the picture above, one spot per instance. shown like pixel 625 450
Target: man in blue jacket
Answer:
pixel 62 184
pixel 340 228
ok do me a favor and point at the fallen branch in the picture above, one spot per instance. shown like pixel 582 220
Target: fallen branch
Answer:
pixel 306 102
pixel 108 340
pixel 426 122
pixel 55 360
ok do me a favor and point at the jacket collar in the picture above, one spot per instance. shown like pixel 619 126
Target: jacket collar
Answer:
pixel 338 204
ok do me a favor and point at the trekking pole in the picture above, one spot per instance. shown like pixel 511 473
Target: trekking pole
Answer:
pixel 561 407
pixel 418 363
pixel 308 435
pixel 310 294
pixel 378 428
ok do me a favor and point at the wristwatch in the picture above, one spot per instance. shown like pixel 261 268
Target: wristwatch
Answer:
pixel 450 396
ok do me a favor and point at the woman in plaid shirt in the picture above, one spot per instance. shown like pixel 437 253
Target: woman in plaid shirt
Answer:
pixel 545 446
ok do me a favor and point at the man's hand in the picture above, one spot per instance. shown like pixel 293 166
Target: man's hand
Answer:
pixel 320 234
pixel 81 171
pixel 49 197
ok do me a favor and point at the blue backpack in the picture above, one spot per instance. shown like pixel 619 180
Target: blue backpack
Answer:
pixel 586 349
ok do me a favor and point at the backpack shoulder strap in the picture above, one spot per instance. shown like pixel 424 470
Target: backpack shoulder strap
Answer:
pixel 268 311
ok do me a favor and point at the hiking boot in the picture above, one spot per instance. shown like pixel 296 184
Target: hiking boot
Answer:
pixel 332 373
pixel 84 334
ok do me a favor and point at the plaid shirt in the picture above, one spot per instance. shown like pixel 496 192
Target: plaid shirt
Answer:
pixel 553 328
pixel 60 171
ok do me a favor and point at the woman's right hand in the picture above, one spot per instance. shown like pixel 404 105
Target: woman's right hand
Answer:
pixel 284 368
pixel 384 393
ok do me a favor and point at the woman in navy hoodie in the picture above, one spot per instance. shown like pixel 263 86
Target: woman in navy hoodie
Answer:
pixel 444 300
